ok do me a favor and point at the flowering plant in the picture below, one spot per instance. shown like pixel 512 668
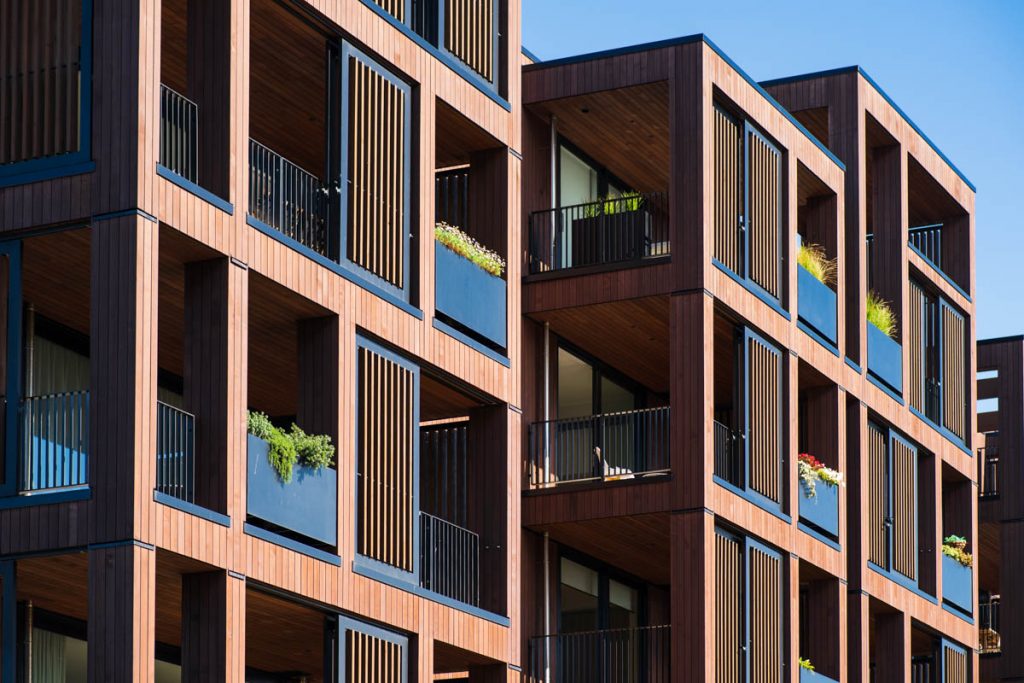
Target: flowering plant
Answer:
pixel 464 245
pixel 956 547
pixel 813 470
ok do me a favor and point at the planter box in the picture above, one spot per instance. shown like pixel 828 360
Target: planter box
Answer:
pixel 816 305
pixel 821 511
pixel 885 358
pixel 957 584
pixel 469 295
pixel 807 676
pixel 307 506
pixel 608 238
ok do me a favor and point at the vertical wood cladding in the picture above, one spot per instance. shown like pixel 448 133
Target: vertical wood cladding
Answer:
pixel 904 517
pixel 395 8
pixel 378 152
pixel 954 372
pixel 915 340
pixel 40 80
pixel 764 382
pixel 954 665
pixel 370 659
pixel 469 33
pixel 728 198
pixel 386 460
pixel 763 213
pixel 728 608
pixel 204 619
pixel 878 492
pixel 765 616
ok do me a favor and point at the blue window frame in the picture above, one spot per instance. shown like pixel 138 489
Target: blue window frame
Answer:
pixel 10 251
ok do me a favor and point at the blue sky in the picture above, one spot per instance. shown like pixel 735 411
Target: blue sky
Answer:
pixel 955 67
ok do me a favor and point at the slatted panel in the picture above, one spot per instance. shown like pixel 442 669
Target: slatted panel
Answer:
pixel 763 171
pixel 727 191
pixel 386 460
pixel 878 492
pixel 40 44
pixel 954 389
pixel 469 33
pixel 395 8
pixel 904 518
pixel 915 339
pixel 764 420
pixel 954 665
pixel 728 609
pixel 371 659
pixel 765 616
pixel 377 139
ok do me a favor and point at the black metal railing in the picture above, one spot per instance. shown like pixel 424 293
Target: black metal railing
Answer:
pixel 613 230
pixel 449 560
pixel 922 669
pixel 729 454
pixel 54 441
pixel 451 198
pixel 599 447
pixel 628 655
pixel 444 471
pixel 179 134
pixel 869 255
pixel 927 239
pixel 175 452
pixel 988 472
pixel 990 641
pixel 288 198
pixel 932 399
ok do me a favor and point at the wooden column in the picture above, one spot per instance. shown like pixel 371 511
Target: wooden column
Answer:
pixel 891 649
pixel 691 388
pixel 690 142
pixel 692 553
pixel 824 628
pixel 209 86
pixel 488 501
pixel 858 637
pixel 237 376
pixel 489 201
pixel 122 607
pixel 212 627
pixel 319 378
pixel 857 493
pixel 888 255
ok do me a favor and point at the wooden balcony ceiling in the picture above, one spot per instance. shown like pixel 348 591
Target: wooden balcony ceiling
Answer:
pixel 56 276
pixel 809 185
pixel 282 636
pixel 987 553
pixel 457 137
pixel 439 401
pixel 451 659
pixel 58 584
pixel 625 130
pixel 928 201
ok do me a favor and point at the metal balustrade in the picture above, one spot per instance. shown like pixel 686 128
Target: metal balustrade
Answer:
pixel 990 642
pixel 449 560
pixel 729 455
pixel 612 230
pixel 451 198
pixel 54 441
pixel 927 239
pixel 175 452
pixel 288 198
pixel 179 134
pixel 627 655
pixel 600 447
pixel 988 472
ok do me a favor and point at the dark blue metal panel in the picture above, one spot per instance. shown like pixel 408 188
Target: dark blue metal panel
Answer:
pixel 12 252
pixel 470 296
pixel 957 584
pixel 816 304
pixel 885 358
pixel 9 621
pixel 821 511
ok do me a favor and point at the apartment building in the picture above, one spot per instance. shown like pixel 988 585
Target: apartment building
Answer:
pixel 210 207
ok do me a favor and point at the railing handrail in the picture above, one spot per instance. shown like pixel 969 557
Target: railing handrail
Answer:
pixel 444 522
pixel 597 416
pixel 176 409
pixel 453 570
pixel 604 632
pixel 167 88
pixel 175 452
pixel 288 161
pixel 56 394
pixel 643 197
pixel 925 228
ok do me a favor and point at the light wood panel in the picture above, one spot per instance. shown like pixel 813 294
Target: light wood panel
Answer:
pixel 728 609
pixel 728 190
pixel 764 226
pixel 469 33
pixel 904 508
pixel 878 494
pixel 372 660
pixel 954 371
pixel 954 665
pixel 916 315
pixel 766 604
pixel 764 419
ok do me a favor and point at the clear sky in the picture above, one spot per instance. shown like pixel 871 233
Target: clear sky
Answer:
pixel 956 67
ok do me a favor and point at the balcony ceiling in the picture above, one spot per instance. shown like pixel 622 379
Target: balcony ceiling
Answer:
pixel 56 277
pixel 626 130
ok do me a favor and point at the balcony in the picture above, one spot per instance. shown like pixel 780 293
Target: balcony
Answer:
pixel 289 199
pixel 600 448
pixel 618 230
pixel 449 560
pixel 627 655
pixel 179 134
pixel 175 453
pixel 990 641
pixel 729 454
pixel 54 442
pixel 988 472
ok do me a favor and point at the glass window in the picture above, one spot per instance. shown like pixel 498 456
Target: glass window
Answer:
pixel 575 386
pixel 623 603
pixel 578 181
pixel 580 602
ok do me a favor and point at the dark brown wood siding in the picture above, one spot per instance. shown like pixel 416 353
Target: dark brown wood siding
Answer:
pixel 904 504
pixel 915 341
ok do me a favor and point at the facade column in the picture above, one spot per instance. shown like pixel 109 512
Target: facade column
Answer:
pixel 692 561
pixel 212 627
pixel 122 608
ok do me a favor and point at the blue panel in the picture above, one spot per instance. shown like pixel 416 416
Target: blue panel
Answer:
pixel 469 295
pixel 807 676
pixel 12 252
pixel 8 622
pixel 885 358
pixel 821 511
pixel 291 544
pixel 308 505
pixel 816 304
pixel 197 190
pixel 957 584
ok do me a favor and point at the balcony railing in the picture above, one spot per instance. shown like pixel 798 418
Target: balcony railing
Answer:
pixel 988 626
pixel 927 239
pixel 614 230
pixel 54 441
pixel 449 560
pixel 988 472
pixel 599 447
pixel 451 197
pixel 628 655
pixel 729 454
pixel 175 453
pixel 287 198
pixel 179 134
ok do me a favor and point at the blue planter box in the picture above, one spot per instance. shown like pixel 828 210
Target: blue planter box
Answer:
pixel 807 676
pixel 821 511
pixel 885 358
pixel 957 584
pixel 469 295
pixel 307 506
pixel 816 305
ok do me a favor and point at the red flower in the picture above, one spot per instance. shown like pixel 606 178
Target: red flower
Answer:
pixel 814 463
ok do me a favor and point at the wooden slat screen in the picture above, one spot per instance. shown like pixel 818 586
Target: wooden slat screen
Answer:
pixel 954 389
pixel 40 81
pixel 904 505
pixel 370 659
pixel 378 150
pixel 387 505
pixel 729 612
pixel 916 339
pixel 764 419
pixel 469 33
pixel 728 198
pixel 765 616
pixel 878 496
pixel 395 8
pixel 954 665
pixel 763 219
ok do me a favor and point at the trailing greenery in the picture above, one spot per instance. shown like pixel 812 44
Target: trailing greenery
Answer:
pixel 816 262
pixel 627 202
pixel 805 663
pixel 467 247
pixel 881 315
pixel 288 448
pixel 956 547
pixel 811 470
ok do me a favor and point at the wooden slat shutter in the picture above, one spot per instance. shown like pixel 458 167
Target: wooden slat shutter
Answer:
pixel 469 33
pixel 395 8
pixel 954 387
pixel 764 212
pixel 387 466
pixel 763 365
pixel 878 497
pixel 955 663
pixel 728 202
pixel 40 82
pixel 916 345
pixel 729 609
pixel 765 579
pixel 371 655
pixel 378 121
pixel 904 507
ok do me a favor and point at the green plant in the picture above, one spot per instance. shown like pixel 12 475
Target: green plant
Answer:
pixel 259 425
pixel 953 539
pixel 805 663
pixel 816 262
pixel 464 245
pixel 881 315
pixel 314 450
pixel 609 206
pixel 811 470
pixel 282 455
pixel 955 546
pixel 288 448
